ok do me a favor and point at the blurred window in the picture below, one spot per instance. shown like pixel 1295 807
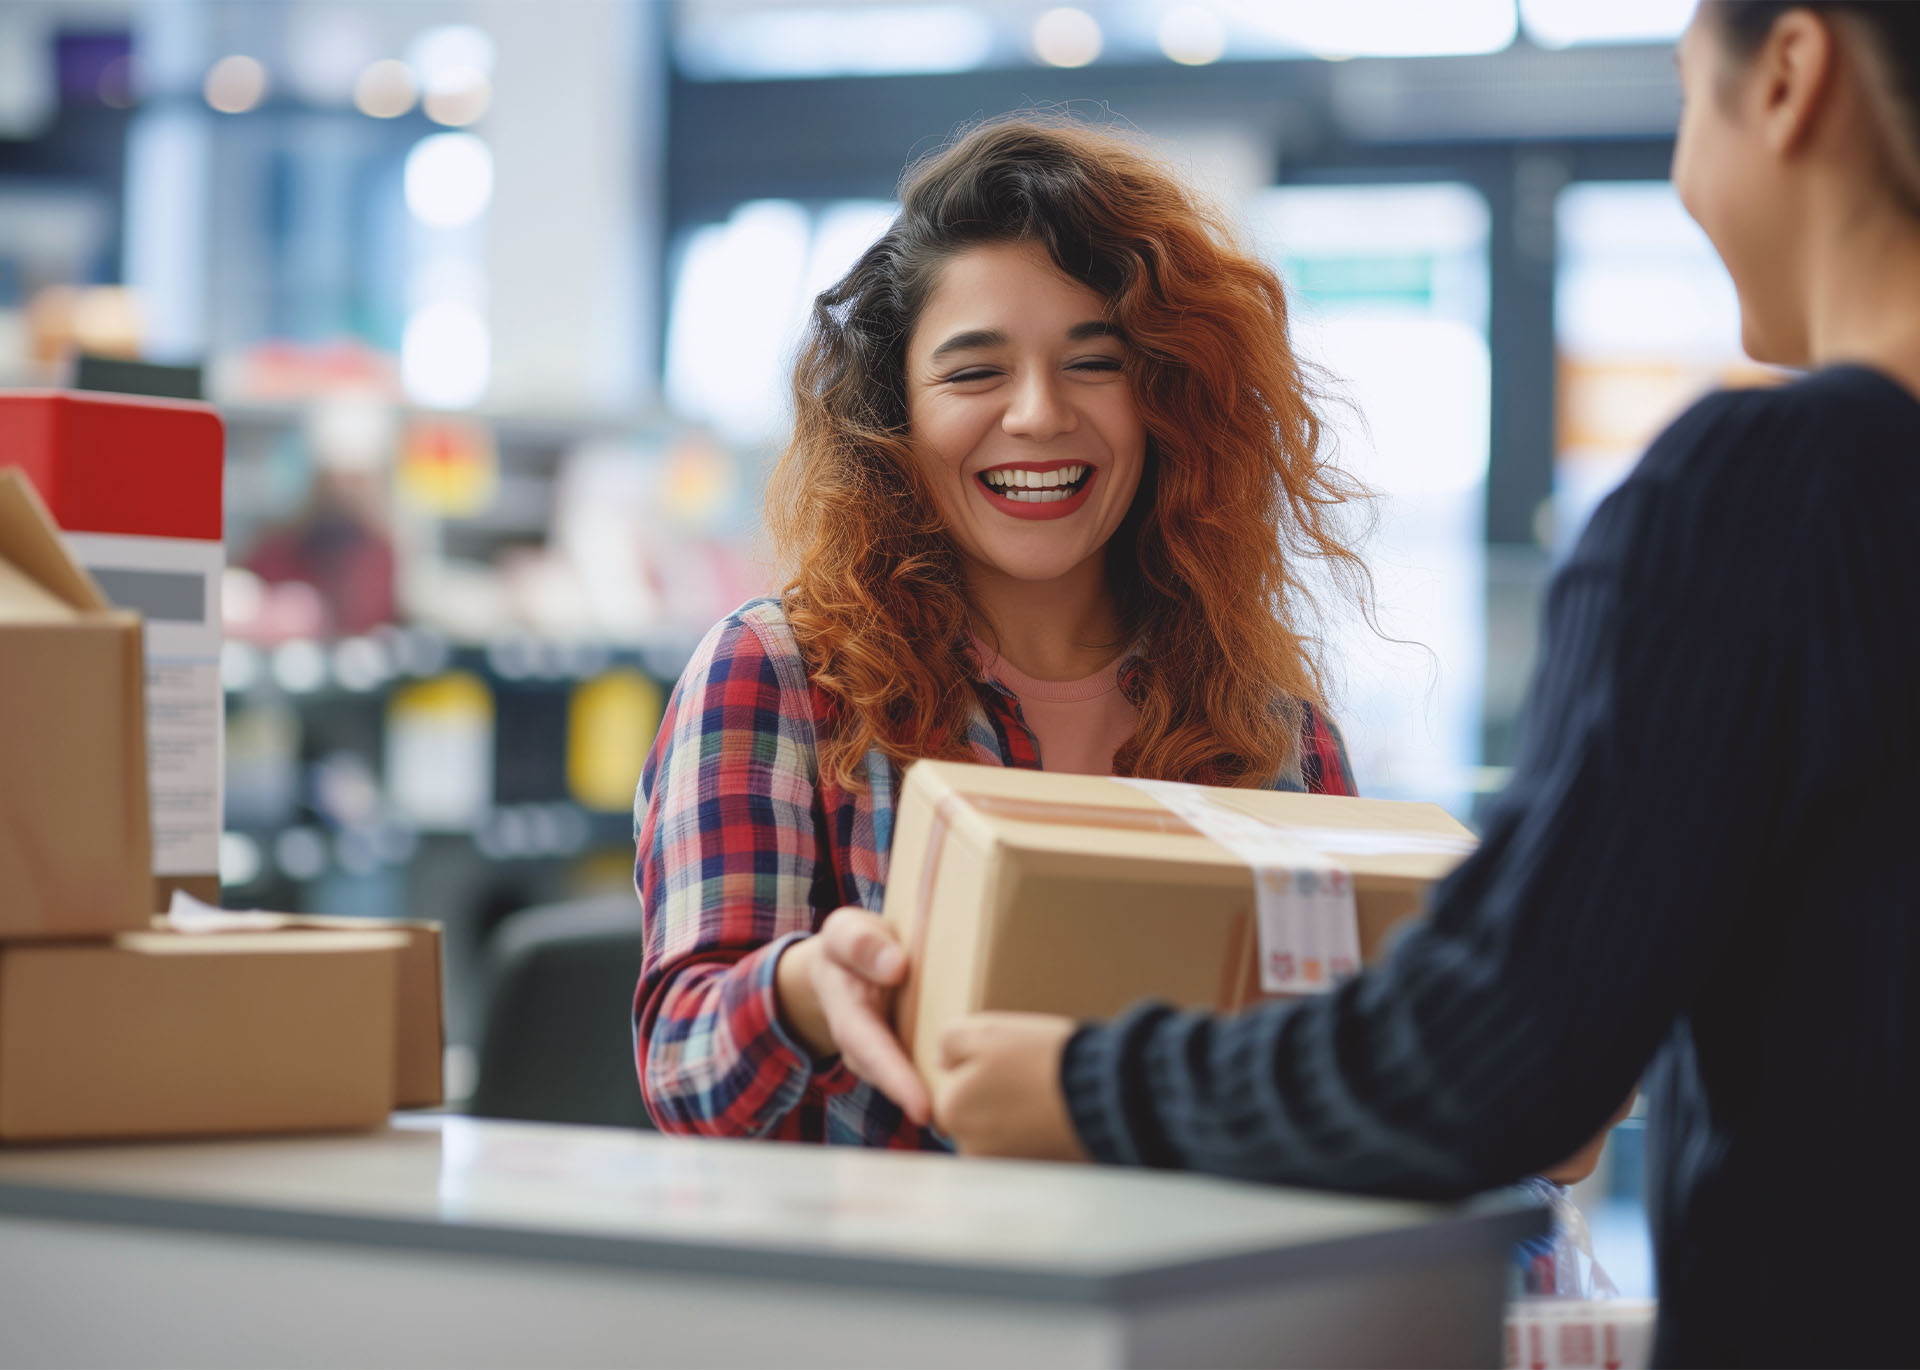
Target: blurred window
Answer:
pixel 724 42
pixel 740 301
pixel 1566 23
pixel 1371 28
pixel 1389 293
pixel 728 40
pixel 1646 322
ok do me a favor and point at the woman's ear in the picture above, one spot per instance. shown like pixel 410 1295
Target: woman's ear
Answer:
pixel 1793 76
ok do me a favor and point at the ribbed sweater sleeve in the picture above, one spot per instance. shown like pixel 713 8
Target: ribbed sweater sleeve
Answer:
pixel 1501 1033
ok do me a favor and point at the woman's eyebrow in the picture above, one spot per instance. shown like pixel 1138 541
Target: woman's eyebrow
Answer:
pixel 993 337
pixel 966 342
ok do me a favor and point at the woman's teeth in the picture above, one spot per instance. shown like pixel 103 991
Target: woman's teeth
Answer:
pixel 1034 487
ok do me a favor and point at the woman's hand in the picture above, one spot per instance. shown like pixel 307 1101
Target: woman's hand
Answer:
pixel 836 992
pixel 1001 1095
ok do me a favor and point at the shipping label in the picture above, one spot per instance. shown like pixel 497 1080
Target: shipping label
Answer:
pixel 1303 899
pixel 174 585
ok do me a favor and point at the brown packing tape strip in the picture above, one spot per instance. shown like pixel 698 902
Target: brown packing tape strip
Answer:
pixel 1156 819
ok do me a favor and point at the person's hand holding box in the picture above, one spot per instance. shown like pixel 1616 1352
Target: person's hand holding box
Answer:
pixel 836 991
pixel 1001 1095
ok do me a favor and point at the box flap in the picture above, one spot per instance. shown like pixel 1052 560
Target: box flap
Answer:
pixel 24 600
pixel 30 543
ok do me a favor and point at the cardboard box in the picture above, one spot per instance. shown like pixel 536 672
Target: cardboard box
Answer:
pixel 420 1023
pixel 420 1013
pixel 152 1034
pixel 74 839
pixel 1081 895
pixel 135 486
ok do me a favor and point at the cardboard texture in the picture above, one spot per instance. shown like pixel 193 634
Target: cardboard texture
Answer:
pixel 420 1013
pixel 155 1034
pixel 1078 895
pixel 419 1024
pixel 75 846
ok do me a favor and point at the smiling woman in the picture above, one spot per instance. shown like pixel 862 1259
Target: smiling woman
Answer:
pixel 1032 421
pixel 1053 477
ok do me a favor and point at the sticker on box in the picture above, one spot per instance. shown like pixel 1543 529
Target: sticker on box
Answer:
pixel 1309 924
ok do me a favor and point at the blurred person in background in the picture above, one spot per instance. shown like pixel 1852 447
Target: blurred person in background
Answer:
pixel 1703 860
pixel 1053 471
pixel 338 544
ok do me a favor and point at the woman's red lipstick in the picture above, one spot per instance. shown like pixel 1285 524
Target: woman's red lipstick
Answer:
pixel 1014 507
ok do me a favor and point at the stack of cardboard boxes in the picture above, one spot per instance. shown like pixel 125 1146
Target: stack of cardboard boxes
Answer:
pixel 115 1022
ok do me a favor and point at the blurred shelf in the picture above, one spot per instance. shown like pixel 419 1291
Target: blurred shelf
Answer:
pixel 510 428
pixel 369 666
pixel 254 856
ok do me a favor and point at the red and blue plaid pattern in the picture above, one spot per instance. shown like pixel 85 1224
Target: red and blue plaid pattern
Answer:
pixel 742 847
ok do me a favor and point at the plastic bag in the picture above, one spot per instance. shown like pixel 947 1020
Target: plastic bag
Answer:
pixel 1559 1265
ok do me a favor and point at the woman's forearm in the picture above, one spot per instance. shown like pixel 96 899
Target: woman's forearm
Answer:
pixel 714 1060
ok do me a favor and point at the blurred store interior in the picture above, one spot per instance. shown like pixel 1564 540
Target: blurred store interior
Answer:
pixel 497 296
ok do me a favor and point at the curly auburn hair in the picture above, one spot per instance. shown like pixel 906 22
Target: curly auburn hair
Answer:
pixel 1234 488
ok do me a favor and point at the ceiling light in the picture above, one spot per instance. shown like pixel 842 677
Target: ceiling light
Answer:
pixel 445 58
pixel 385 89
pixel 1192 36
pixel 446 357
pixel 236 84
pixel 460 105
pixel 449 179
pixel 1067 37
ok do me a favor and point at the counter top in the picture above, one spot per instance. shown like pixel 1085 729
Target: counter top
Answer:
pixel 831 1215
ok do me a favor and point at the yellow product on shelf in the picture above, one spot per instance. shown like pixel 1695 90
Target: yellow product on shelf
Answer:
pixel 448 466
pixel 610 726
pixel 439 752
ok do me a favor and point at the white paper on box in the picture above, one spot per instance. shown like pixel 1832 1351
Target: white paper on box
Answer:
pixel 174 585
pixel 190 915
pixel 1303 899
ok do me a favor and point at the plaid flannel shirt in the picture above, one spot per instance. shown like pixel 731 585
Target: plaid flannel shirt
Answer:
pixel 742 848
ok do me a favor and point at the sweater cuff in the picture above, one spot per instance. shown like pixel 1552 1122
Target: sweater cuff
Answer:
pixel 1084 1072
pixel 1101 1078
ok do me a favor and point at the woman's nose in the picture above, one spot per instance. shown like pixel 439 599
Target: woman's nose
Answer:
pixel 1038 408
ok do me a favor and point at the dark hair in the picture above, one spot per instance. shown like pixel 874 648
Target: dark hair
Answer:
pixel 1891 31
pixel 1236 491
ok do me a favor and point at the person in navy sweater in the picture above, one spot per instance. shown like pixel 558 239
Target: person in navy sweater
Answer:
pixel 1705 869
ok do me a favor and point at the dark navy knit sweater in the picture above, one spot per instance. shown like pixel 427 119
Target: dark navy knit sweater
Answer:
pixel 1708 862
